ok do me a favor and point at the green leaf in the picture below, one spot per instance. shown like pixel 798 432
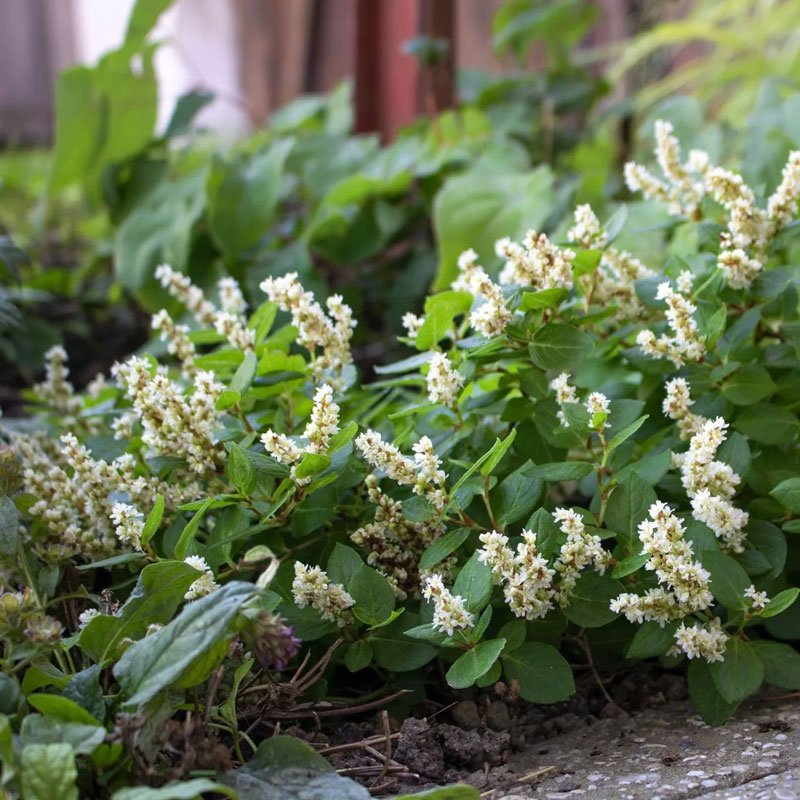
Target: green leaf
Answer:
pixel 177 790
pixel 82 738
pixel 630 565
pixel 373 595
pixel 564 471
pixel 440 311
pixel 61 708
pixel 395 651
pixel 474 210
pixel 780 602
pixel 748 385
pixel 153 519
pixel 245 373
pixel 787 493
pixel 187 107
pixel 628 505
pixel 312 464
pixel 343 565
pixel 241 470
pixel 767 424
pixel 651 640
pixel 474 583
pixel 558 346
pixel 589 603
pixel 781 664
pixel 469 666
pixel 770 542
pixel 618 438
pixel 190 530
pixel 243 195
pixel 740 674
pixel 48 772
pixel 493 457
pixel 457 791
pixel 143 19
pixel 543 674
pixel 705 697
pixel 358 655
pixel 158 592
pixel 156 662
pixel 443 547
pixel 728 579
pixel 586 262
pixel 516 495
pixel 546 298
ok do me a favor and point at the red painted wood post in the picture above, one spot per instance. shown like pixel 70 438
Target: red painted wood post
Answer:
pixel 389 92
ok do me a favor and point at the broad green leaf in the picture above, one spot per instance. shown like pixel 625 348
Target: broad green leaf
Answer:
pixel 158 592
pixel 457 791
pixel 629 505
pixel 770 542
pixel 245 373
pixel 748 385
pixel 728 579
pixel 546 298
pixel 589 603
pixel 243 195
pixel 153 519
pixel 781 663
pixel 358 655
pixel 143 18
pixel 395 651
pixel 443 547
pixel 564 471
pixel 705 697
pixel 373 595
pixel 156 662
pixel 543 674
pixel 241 470
pixel 81 737
pixel 493 457
pixel 516 495
pixel 469 666
pixel 474 583
pixel 558 346
pixel 740 674
pixel 620 436
pixel 780 602
pixel 475 210
pixel 343 565
pixel 767 424
pixel 630 565
pixel 62 708
pixel 48 772
pixel 440 310
pixel 651 640
pixel 787 493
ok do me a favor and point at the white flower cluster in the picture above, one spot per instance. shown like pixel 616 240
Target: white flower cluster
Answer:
pixel 685 187
pixel 412 323
pixel 443 382
pixel 128 524
pixel 758 600
pixel 537 262
pixel 422 473
pixel 229 321
pixel 749 228
pixel 492 316
pixel 449 610
pixel 612 283
pixel 312 587
pixel 685 343
pixel 394 544
pixel 315 329
pixel 56 390
pixel 564 394
pixel 205 584
pixel 676 405
pixel 174 423
pixel 178 342
pixel 706 641
pixel 525 576
pixel 597 404
pixel 711 484
pixel 579 551
pixel 684 584
pixel 322 425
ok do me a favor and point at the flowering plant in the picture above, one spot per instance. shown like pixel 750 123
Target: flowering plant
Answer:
pixel 586 455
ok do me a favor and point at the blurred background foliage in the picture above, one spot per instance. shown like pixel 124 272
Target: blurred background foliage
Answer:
pixel 84 226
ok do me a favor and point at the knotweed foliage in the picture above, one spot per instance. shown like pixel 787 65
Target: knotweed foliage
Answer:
pixel 581 448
